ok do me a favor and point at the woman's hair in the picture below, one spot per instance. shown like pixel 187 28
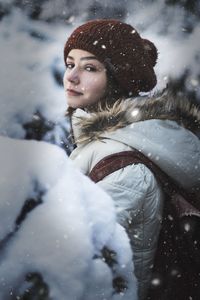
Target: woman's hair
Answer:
pixel 112 94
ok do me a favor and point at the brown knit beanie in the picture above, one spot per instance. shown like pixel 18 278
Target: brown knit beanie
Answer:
pixel 128 57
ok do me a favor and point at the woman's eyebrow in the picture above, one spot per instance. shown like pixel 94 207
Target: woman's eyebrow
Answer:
pixel 88 58
pixel 84 58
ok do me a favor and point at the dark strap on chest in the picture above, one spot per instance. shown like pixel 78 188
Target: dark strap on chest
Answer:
pixel 114 162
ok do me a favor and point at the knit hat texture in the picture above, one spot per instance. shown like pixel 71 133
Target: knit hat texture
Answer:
pixel 118 45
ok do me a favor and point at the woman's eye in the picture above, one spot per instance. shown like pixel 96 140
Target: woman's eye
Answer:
pixel 69 65
pixel 90 68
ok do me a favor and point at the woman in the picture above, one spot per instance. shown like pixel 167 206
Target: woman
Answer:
pixel 108 65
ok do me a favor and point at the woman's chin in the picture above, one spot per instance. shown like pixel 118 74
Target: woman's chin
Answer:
pixel 74 105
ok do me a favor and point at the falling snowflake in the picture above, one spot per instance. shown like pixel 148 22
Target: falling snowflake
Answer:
pixel 170 217
pixel 156 281
pixel 174 272
pixel 194 82
pixel 135 112
pixel 187 227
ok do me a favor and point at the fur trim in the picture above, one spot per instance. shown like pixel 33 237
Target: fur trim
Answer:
pixel 126 112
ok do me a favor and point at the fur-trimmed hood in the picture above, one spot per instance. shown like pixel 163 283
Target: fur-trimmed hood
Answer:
pixel 126 112
pixel 158 127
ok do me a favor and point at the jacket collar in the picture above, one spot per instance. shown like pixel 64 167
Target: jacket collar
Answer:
pixel 89 126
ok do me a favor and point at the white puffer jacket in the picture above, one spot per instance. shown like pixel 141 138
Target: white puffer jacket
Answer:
pixel 138 197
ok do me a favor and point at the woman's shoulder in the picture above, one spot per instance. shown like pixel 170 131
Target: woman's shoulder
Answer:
pixel 129 112
pixel 86 156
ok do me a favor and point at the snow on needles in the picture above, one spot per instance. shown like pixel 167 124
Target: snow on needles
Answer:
pixel 27 82
pixel 62 236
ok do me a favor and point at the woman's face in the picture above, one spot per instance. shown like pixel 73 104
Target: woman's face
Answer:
pixel 85 79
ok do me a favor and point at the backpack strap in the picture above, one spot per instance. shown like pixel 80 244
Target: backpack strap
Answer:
pixel 185 203
pixel 181 251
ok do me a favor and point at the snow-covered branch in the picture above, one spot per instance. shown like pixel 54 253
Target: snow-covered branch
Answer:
pixel 58 226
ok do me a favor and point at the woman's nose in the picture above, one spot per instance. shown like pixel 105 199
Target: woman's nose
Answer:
pixel 73 76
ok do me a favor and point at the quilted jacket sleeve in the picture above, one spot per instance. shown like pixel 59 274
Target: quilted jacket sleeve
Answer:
pixel 134 191
pixel 138 200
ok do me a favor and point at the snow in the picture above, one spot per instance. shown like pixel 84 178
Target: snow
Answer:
pixel 178 48
pixel 32 52
pixel 60 237
pixel 27 82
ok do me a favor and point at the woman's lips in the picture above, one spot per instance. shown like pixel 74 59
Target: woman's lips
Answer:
pixel 73 93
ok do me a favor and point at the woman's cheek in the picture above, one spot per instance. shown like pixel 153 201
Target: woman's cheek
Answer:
pixel 65 76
